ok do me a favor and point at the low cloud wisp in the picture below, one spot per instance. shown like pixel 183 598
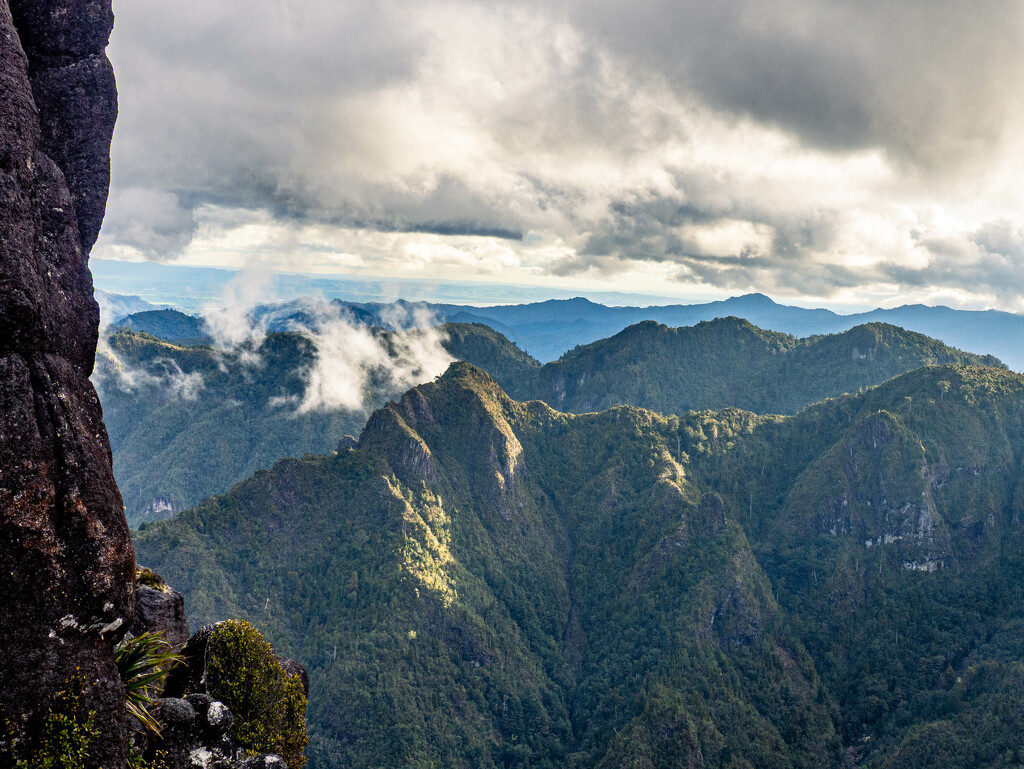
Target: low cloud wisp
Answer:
pixel 349 358
pixel 352 361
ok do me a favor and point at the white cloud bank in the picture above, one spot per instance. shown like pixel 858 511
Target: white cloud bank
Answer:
pixel 350 357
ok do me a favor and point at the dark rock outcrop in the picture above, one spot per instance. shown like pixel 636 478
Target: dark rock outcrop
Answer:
pixel 66 562
pixel 195 737
pixel 160 608
pixel 194 734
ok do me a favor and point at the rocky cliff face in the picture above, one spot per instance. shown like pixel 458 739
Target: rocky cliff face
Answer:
pixel 66 563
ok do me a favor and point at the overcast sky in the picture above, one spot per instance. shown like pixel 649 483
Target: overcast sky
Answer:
pixel 858 152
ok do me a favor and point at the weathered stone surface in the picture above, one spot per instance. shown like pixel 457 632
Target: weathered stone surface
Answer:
pixel 263 762
pixel 66 563
pixel 63 31
pixel 73 88
pixel 160 610
pixel 77 107
pixel 187 676
pixel 174 712
pixel 211 746
pixel 213 718
pixel 177 718
pixel 194 737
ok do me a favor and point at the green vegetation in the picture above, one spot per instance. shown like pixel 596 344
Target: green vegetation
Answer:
pixel 269 706
pixel 513 369
pixel 196 421
pixel 146 576
pixel 729 362
pixel 491 583
pixel 143 662
pixel 189 422
pixel 65 735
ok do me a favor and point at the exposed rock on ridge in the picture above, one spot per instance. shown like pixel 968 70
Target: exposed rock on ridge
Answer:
pixel 66 563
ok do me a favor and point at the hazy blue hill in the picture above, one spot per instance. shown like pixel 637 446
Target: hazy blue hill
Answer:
pixel 113 307
pixel 299 313
pixel 552 311
pixel 169 325
pixel 485 582
pixel 468 317
pixel 990 331
pixel 730 362
pixel 547 329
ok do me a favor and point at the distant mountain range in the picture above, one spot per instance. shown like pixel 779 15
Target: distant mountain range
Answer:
pixel 114 307
pixel 731 363
pixel 187 422
pixel 550 328
pixel 487 583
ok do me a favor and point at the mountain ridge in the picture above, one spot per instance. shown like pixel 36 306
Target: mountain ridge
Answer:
pixel 186 422
pixel 550 328
pixel 692 590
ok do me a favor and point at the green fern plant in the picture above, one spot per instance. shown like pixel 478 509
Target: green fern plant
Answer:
pixel 143 662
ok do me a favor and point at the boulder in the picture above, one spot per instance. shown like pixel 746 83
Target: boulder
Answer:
pixel 269 761
pixel 177 718
pixel 194 736
pixel 160 609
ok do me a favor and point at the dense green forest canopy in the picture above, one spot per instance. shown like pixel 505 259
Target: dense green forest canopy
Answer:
pixel 729 362
pixel 186 422
pixel 485 582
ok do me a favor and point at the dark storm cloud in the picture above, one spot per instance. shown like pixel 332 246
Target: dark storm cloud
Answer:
pixel 769 271
pixel 230 103
pixel 652 234
pixel 926 80
pixel 153 221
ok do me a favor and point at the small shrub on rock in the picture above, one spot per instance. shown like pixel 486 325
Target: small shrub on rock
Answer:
pixel 269 706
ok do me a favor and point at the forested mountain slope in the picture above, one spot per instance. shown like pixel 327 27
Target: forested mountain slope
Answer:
pixel 491 583
pixel 168 325
pixel 188 422
pixel 729 362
